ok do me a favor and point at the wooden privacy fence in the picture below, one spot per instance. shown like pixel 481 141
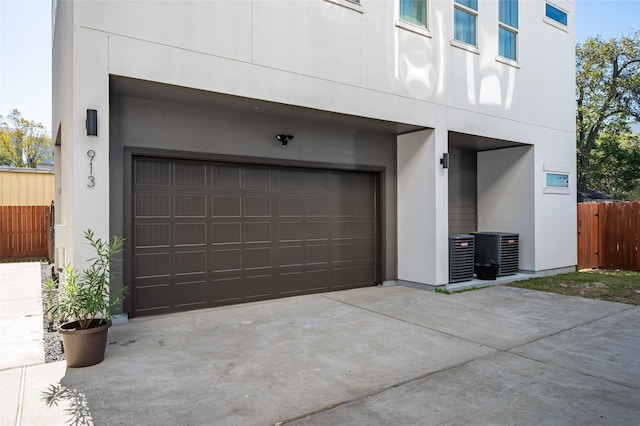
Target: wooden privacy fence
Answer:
pixel 25 232
pixel 608 236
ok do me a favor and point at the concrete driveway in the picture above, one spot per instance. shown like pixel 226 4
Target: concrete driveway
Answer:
pixel 377 355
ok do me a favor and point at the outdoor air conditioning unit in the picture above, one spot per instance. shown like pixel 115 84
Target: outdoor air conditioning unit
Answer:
pixel 500 247
pixel 460 257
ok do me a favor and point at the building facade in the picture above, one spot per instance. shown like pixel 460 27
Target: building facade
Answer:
pixel 256 149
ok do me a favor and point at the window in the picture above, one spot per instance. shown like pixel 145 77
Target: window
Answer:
pixel 556 14
pixel 414 12
pixel 557 180
pixel 508 28
pixel 465 15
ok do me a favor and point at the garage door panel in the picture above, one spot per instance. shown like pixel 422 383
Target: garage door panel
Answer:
pixel 257 232
pixel 257 287
pixel 291 256
pixel 257 178
pixel 226 233
pixel 152 235
pixel 152 172
pixel 215 234
pixel 341 230
pixel 226 260
pixel 290 207
pixel 191 293
pixel 191 205
pixel 342 207
pixel 291 179
pixel 362 274
pixel 190 174
pixel 316 207
pixel 316 230
pixel 154 296
pixel 317 254
pixel 152 205
pixel 190 262
pixel 342 182
pixel 291 231
pixel 363 229
pixel 363 207
pixel 153 264
pixel 225 177
pixel 257 258
pixel 341 253
pixel 226 206
pixel 190 234
pixel 364 250
pixel 316 181
pixel 257 206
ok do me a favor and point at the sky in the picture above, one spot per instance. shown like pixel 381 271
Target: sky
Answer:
pixel 25 47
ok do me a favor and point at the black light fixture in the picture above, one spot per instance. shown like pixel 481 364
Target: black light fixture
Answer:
pixel 284 139
pixel 92 122
pixel 445 160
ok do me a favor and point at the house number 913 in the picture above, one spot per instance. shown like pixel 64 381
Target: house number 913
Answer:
pixel 92 181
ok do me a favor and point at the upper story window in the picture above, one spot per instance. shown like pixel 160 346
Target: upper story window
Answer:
pixel 465 17
pixel 508 28
pixel 414 12
pixel 556 14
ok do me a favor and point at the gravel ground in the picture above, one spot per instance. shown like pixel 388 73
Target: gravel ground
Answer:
pixel 52 343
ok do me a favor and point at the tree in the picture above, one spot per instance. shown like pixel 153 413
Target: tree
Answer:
pixel 608 101
pixel 23 143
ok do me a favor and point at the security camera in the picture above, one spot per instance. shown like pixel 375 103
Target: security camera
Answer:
pixel 284 139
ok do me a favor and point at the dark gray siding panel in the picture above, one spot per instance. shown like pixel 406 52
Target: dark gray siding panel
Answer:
pixel 462 191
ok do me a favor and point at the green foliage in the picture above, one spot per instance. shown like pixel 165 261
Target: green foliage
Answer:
pixel 85 296
pixel 608 101
pixel 23 143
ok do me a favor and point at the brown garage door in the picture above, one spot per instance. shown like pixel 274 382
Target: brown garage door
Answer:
pixel 208 234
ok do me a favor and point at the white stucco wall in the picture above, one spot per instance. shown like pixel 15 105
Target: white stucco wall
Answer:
pixel 325 56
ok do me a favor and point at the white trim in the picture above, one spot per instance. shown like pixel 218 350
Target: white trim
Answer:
pixel 555 168
pixel 465 46
pixel 353 5
pixel 556 190
pixel 413 28
pixel 554 23
pixel 507 61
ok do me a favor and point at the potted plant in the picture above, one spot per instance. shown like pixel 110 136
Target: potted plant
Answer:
pixel 487 271
pixel 86 302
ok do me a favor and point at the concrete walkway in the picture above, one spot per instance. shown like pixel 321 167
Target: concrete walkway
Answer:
pixel 376 355
pixel 20 315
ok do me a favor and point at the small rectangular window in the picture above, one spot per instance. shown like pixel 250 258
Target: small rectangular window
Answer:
pixel 556 14
pixel 465 15
pixel 508 12
pixel 414 12
pixel 557 180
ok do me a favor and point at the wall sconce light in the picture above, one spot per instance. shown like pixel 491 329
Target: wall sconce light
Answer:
pixel 284 139
pixel 445 160
pixel 92 122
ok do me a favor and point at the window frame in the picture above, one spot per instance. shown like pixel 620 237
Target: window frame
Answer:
pixel 469 11
pixel 424 25
pixel 512 29
pixel 553 22
pixel 556 171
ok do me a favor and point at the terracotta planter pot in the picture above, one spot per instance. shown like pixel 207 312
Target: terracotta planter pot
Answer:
pixel 487 271
pixel 83 348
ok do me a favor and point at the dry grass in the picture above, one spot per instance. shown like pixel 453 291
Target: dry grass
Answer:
pixel 614 286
